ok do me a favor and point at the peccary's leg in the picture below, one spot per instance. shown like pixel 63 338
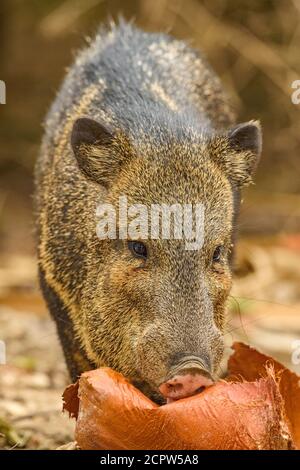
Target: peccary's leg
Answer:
pixel 76 358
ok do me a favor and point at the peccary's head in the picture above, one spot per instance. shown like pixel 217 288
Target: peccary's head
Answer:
pixel 153 309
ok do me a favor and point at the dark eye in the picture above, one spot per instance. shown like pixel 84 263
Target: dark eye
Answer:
pixel 138 249
pixel 217 254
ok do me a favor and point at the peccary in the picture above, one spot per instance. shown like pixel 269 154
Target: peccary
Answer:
pixel 141 115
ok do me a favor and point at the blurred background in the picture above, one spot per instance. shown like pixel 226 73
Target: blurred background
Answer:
pixel 254 46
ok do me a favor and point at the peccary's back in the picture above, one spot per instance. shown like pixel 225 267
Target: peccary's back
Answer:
pixel 127 76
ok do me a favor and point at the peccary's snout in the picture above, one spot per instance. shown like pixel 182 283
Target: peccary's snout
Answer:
pixel 185 383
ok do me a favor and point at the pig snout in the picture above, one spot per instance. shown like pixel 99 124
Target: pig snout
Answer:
pixel 184 384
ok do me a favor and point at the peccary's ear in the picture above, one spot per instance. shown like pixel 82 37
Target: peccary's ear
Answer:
pixel 246 137
pixel 97 150
pixel 240 152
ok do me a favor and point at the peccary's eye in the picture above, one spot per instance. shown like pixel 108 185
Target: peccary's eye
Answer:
pixel 138 249
pixel 217 254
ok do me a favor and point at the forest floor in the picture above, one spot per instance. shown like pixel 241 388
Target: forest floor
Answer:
pixel 264 311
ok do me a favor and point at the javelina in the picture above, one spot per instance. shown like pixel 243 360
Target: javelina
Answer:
pixel 140 115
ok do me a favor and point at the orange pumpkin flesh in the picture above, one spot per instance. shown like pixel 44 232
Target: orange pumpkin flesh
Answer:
pixel 112 414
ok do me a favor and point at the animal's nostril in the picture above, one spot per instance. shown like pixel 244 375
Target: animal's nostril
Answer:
pixel 185 385
pixel 174 387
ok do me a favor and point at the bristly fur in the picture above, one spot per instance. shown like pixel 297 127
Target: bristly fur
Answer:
pixel 169 120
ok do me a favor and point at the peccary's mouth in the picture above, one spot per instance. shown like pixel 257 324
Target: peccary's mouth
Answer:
pixel 155 395
pixel 150 392
pixel 172 400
